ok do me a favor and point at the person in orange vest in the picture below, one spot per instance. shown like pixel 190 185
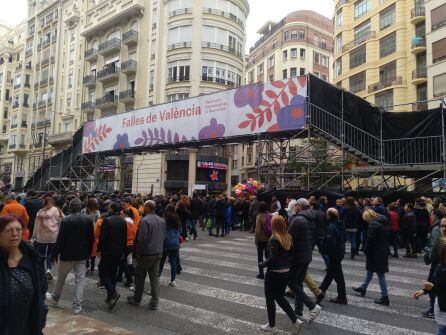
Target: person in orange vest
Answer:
pixel 127 204
pixel 13 207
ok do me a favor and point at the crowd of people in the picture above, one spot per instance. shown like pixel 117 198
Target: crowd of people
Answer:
pixel 134 235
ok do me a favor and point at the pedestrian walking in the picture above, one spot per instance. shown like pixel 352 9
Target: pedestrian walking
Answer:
pixel 73 247
pixel 33 205
pixel 149 243
pixel 278 275
pixel 260 235
pixel 351 217
pixel 409 230
pixel 376 250
pixel 171 246
pixel 394 219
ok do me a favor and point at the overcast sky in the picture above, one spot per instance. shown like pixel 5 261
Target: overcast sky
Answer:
pixel 261 11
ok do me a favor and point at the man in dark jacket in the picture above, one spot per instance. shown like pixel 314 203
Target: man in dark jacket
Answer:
pixel 195 211
pixel 408 227
pixel 32 205
pixel 302 230
pixel 148 248
pixel 212 212
pixel 111 246
pixel 220 214
pixel 73 245
pixel 335 245
pixel 253 210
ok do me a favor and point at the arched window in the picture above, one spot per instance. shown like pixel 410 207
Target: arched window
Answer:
pixel 115 34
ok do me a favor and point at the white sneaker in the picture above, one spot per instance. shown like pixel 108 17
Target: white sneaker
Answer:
pixel 77 310
pixel 296 327
pixel 267 329
pixel 172 284
pixel 314 313
pixel 49 297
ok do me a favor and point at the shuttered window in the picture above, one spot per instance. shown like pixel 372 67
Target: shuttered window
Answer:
pixel 439 50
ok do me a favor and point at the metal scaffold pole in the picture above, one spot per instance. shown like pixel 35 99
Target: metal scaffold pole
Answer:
pixel 381 146
pixel 443 139
pixel 309 133
pixel 342 141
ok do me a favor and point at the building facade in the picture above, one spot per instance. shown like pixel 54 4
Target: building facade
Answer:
pixel 380 51
pixel 301 43
pixel 82 60
pixel 436 50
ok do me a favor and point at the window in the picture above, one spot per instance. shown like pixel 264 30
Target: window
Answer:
pixel 338 43
pixel 301 34
pixel 293 53
pixel 177 96
pixel 221 73
pixel 285 74
pixel 439 50
pixel 260 69
pixel 387 45
pixel 338 67
pixel 293 72
pixel 384 99
pixel 181 34
pixel 302 53
pixel 294 34
pixel 387 73
pixel 271 78
pixel 339 19
pixel 285 55
pixel 251 76
pixel 439 85
pixel 179 4
pixel 316 58
pixel 362 32
pixel 286 35
pixel 178 72
pixel 324 77
pixel 271 62
pixel 316 40
pixel 387 17
pixel 358 57
pixel 302 71
pixel 361 8
pixel 357 82
pixel 274 45
pixel 438 16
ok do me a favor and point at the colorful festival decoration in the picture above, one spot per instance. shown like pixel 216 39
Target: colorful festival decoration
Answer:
pixel 250 188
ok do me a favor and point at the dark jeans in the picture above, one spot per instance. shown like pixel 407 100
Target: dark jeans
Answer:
pixel 422 240
pixel 184 229
pixel 334 271
pixel 124 266
pixel 275 285
pixel 297 276
pixel 193 227
pixel 220 224
pixel 430 279
pixel 394 241
pixel 410 243
pixel 108 271
pixel 46 250
pixel 173 259
pixel 262 247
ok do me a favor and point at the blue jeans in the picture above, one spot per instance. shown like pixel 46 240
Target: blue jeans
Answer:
pixel 351 236
pixel 382 282
pixel 46 250
pixel 173 259
pixel 441 330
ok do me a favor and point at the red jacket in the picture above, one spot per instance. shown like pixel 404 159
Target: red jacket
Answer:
pixel 394 220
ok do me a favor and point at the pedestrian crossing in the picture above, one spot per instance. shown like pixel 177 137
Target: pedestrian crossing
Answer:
pixel 218 293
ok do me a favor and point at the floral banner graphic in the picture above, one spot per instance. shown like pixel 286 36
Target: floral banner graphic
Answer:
pixel 247 110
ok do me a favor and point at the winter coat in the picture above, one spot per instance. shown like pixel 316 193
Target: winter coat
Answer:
pixel 321 223
pixel 434 243
pixel 113 236
pixel 409 224
pixel 335 242
pixel 377 245
pixel 195 208
pixel 423 219
pixel 440 286
pixel 228 216
pixel 171 240
pixel 32 207
pixel 212 207
pixel 33 262
pixel 259 232
pixel 351 218
pixel 46 226
pixel 221 208
pixel 184 212
pixel 303 231
pixel 279 258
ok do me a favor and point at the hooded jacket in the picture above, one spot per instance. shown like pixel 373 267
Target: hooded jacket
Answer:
pixel 303 232
pixel 336 239
pixel 377 245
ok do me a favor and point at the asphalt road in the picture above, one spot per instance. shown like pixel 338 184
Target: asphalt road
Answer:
pixel 218 293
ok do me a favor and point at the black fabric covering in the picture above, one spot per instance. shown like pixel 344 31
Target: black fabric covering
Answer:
pixel 409 136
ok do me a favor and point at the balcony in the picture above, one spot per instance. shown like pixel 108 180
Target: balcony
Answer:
pixel 108 74
pixel 11 146
pixel 60 139
pixel 107 101
pixel 110 46
pixel 419 106
pixel 179 45
pixel 224 14
pixel 24 124
pixel 91 55
pixel 418 45
pixel 87 106
pixel 180 12
pixel 16 86
pixel 89 81
pixel 42 103
pixel 127 96
pixel 385 83
pixel 15 105
pixel 226 48
pixel 417 15
pixel 130 37
pixel 219 81
pixel 419 76
pixel 129 66
pixel 359 40
pixel 14 126
pixel 41 124
pixel 178 80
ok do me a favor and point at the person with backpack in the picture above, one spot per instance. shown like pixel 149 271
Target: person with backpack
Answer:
pixel 277 275
pixel 335 248
pixel 262 234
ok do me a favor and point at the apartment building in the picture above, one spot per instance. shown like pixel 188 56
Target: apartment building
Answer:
pixel 436 50
pixel 300 43
pixel 380 51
